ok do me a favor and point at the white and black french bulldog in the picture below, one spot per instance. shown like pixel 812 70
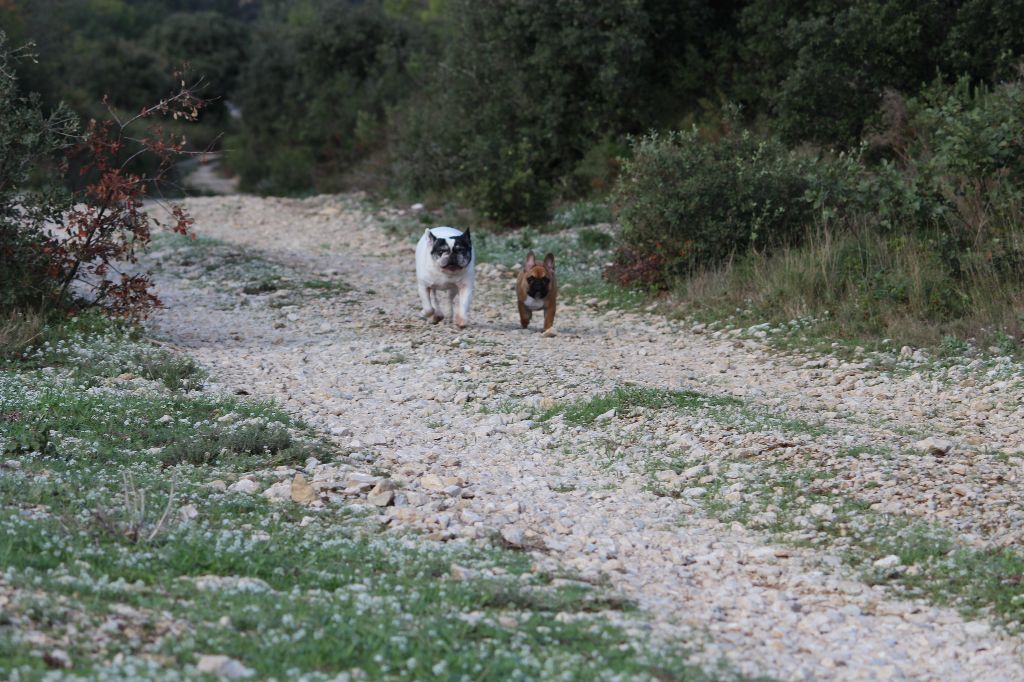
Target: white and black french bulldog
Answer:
pixel 444 264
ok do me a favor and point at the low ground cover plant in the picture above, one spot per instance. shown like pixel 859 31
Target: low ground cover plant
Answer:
pixel 123 558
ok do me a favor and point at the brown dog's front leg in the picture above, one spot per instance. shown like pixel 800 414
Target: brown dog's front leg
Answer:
pixel 549 315
pixel 524 315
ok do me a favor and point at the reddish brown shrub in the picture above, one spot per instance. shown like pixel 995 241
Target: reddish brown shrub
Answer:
pixel 636 267
pixel 91 251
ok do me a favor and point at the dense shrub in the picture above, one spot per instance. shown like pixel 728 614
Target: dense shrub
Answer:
pixel 918 238
pixel 820 68
pixel 964 147
pixel 685 203
pixel 315 92
pixel 952 172
pixel 861 284
pixel 29 140
pixel 524 90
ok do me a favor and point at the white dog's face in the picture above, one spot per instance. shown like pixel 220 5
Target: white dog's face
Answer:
pixel 451 253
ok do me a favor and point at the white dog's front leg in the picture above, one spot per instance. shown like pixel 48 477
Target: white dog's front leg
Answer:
pixel 465 298
pixel 435 303
pixel 428 309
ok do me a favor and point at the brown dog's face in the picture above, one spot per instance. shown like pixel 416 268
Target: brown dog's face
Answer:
pixel 537 282
pixel 538 276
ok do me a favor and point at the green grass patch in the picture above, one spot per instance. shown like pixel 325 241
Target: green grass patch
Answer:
pixel 630 397
pixel 985 583
pixel 80 412
pixel 725 409
pixel 87 357
pixel 326 285
pixel 101 560
pixel 582 214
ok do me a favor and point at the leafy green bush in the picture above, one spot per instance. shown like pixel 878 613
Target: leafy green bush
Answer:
pixel 594 240
pixel 924 243
pixel 685 203
pixel 952 172
pixel 29 139
pixel 819 68
pixel 315 92
pixel 524 90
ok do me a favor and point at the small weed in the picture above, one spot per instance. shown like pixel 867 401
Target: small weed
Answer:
pixel 264 285
pixel 133 523
pixel 858 450
pixel 1006 344
pixel 952 347
pixel 174 371
pixel 326 286
pixel 390 358
pixel 18 330
pixel 506 406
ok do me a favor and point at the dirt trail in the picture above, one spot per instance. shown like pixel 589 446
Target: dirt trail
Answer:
pixel 204 174
pixel 432 400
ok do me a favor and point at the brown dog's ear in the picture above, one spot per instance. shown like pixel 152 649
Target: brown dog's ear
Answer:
pixel 530 261
pixel 549 263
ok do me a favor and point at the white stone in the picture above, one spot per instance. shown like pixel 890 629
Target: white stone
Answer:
pixel 513 536
pixel 821 511
pixel 188 512
pixel 279 492
pixel 243 485
pixel 888 561
pixel 934 445
pixel 223 666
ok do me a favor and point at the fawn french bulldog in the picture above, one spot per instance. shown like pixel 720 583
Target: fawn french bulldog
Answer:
pixel 537 289
pixel 444 264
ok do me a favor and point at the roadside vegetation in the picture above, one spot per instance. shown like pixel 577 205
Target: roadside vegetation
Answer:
pixel 125 555
pixel 799 502
pixel 854 165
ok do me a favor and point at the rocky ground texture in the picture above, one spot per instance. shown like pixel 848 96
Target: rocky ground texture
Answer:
pixel 721 485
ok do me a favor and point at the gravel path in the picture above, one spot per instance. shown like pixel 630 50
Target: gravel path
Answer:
pixel 450 415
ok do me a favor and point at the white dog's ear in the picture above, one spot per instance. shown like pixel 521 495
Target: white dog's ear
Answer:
pixel 530 261
pixel 549 263
pixel 430 236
